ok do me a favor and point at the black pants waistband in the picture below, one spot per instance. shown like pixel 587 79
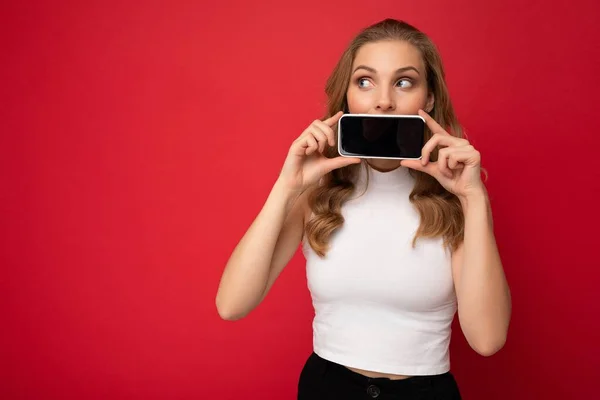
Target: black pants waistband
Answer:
pixel 322 379
pixel 384 383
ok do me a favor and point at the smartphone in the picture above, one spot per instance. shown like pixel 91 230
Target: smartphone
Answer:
pixel 399 137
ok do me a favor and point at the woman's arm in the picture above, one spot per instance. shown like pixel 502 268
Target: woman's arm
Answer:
pixel 484 301
pixel 277 231
pixel 262 253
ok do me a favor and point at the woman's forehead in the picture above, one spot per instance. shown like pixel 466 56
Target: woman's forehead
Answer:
pixel 388 56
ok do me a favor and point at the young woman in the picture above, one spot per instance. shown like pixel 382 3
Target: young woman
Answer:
pixel 393 248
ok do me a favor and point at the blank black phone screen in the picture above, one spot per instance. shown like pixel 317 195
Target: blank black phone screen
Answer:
pixel 382 136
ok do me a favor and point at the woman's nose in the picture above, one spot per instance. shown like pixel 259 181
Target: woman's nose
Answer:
pixel 386 101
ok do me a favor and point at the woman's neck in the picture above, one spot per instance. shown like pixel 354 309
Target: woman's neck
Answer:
pixel 383 165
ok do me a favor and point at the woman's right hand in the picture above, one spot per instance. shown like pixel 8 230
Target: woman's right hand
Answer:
pixel 305 163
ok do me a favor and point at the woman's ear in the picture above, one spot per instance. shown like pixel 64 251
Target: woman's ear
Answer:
pixel 430 102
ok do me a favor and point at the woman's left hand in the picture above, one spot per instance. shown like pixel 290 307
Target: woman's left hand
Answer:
pixel 458 168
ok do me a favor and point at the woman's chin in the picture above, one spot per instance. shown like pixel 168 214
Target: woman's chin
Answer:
pixel 382 164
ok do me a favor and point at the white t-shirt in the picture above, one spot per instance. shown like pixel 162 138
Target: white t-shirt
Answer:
pixel 380 304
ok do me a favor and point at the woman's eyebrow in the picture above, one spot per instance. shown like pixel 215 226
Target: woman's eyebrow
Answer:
pixel 374 71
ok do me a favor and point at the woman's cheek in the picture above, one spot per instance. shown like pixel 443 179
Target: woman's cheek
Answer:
pixel 360 103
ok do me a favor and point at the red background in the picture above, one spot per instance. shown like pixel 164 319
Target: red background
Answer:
pixel 140 140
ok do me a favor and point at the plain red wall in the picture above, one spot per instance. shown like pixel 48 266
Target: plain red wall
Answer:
pixel 140 140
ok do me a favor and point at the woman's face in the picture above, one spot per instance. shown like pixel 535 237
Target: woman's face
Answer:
pixel 388 77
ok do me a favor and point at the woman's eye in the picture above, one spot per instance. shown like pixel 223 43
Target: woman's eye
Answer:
pixel 362 82
pixel 405 83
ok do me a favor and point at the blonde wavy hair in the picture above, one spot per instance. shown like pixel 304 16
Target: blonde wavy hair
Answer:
pixel 440 211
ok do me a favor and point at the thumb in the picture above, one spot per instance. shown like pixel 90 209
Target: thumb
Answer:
pixel 338 162
pixel 413 164
pixel 429 168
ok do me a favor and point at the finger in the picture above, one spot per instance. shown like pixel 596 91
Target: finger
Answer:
pixel 327 130
pixel 433 126
pixel 436 140
pixel 311 144
pixel 453 161
pixel 330 164
pixel 322 139
pixel 456 157
pixel 462 156
pixel 331 121
pixel 442 162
